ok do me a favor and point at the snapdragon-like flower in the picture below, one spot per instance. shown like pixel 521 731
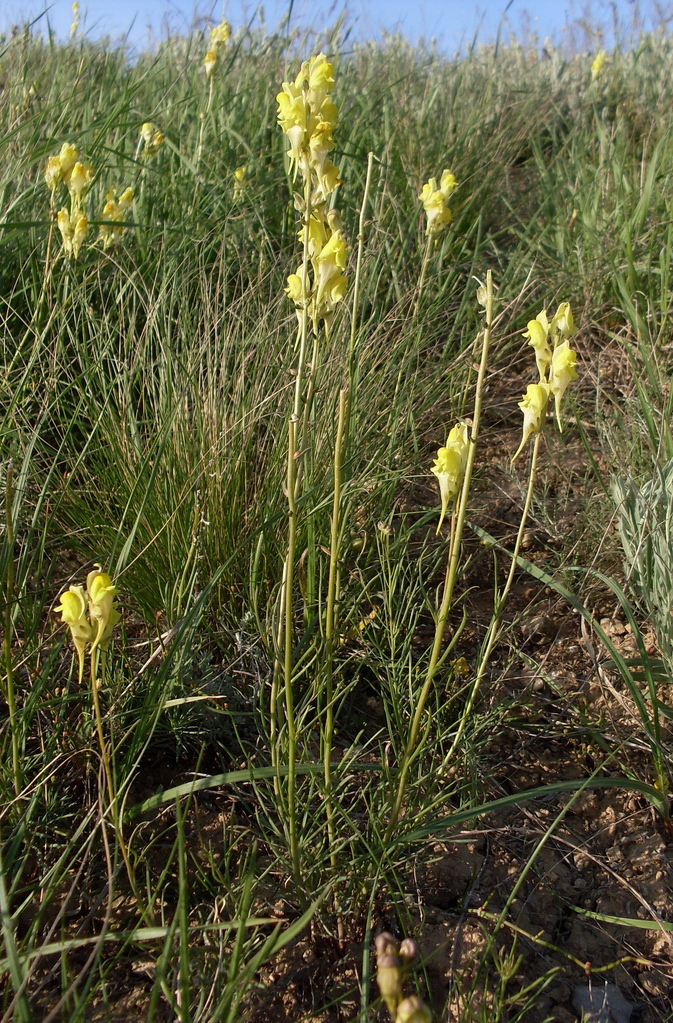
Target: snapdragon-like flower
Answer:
pixel 102 611
pixel 413 1010
pixel 58 168
pixel 73 227
pixel 308 116
pixel 556 366
pixel 562 373
pixel 219 37
pixel 75 19
pixel 534 408
pixel 72 609
pixel 434 199
pixel 79 180
pixel 98 601
pixel 538 333
pixel 449 466
pixel 598 65
pixel 240 174
pixel 114 211
pixel 151 138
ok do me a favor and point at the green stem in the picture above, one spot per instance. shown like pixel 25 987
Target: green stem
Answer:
pixel 107 767
pixel 352 348
pixel 494 626
pixel 421 279
pixel 331 623
pixel 9 628
pixel 452 568
pixel 287 665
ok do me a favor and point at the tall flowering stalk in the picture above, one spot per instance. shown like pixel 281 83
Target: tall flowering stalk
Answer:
pixel 218 38
pixel 434 198
pixel 91 615
pixel 453 469
pixel 555 362
pixel 308 116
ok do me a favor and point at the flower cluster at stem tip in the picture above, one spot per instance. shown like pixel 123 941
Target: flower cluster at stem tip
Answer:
pixel 308 116
pixel 556 368
pixel 96 627
pixel 219 36
pixel 449 466
pixel 67 170
pixel 598 65
pixel 151 140
pixel 434 201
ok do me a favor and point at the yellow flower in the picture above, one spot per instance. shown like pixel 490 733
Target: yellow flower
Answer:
pixel 240 175
pixel 75 19
pixel 329 262
pixel 220 34
pixel 449 466
pixel 320 75
pixel 294 288
pixel 152 138
pixel 80 179
pixel 563 321
pixel 413 1010
pixel 562 373
pixel 538 334
pixel 434 204
pixel 67 159
pixel 79 233
pixel 72 609
pixel 210 62
pixel 447 183
pixel 598 65
pixel 125 199
pixel 52 172
pixel 534 408
pixel 104 615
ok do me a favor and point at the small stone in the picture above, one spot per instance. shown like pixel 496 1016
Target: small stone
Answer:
pixel 602 1004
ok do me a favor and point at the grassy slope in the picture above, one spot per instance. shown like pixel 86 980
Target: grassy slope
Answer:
pixel 143 402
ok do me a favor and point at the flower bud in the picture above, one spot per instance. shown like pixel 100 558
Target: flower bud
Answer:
pixel 413 1010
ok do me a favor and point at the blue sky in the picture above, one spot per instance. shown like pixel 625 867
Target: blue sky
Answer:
pixel 450 22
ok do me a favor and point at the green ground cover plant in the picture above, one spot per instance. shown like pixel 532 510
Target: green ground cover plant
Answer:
pixel 257 645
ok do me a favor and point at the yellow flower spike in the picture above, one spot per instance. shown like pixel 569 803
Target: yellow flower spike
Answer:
pixel 72 609
pixel 447 183
pixel 67 159
pixel 52 173
pixel 220 34
pixel 562 373
pixel 434 203
pixel 563 322
pixel 598 65
pixel 538 335
pixel 104 615
pixel 449 466
pixel 75 19
pixel 534 408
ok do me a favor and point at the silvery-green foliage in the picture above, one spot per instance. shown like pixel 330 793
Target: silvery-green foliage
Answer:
pixel 645 521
